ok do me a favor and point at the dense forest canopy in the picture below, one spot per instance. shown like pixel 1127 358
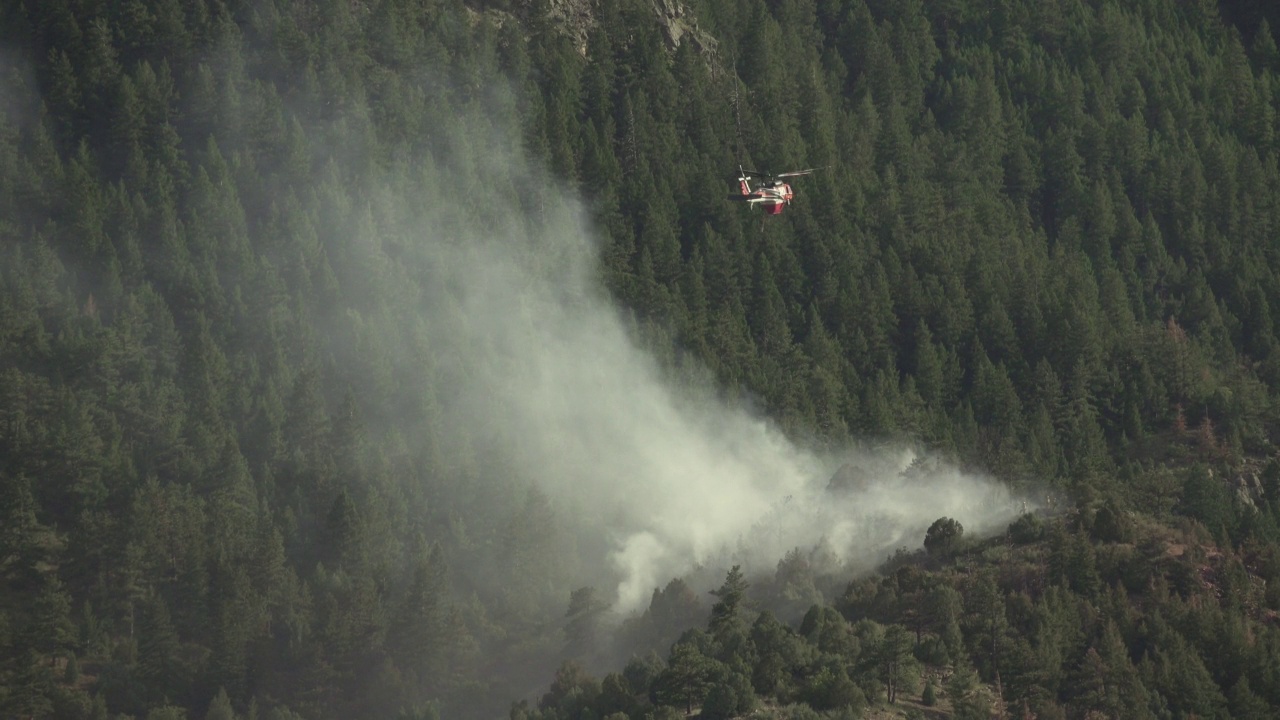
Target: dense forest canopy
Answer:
pixel 250 393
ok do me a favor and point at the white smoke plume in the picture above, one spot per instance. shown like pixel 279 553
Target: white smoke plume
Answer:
pixel 542 372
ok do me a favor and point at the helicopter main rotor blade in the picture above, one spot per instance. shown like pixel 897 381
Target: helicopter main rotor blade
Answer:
pixel 796 173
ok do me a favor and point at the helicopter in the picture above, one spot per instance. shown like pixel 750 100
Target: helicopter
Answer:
pixel 771 193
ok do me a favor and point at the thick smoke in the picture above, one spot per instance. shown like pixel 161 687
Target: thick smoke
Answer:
pixel 542 372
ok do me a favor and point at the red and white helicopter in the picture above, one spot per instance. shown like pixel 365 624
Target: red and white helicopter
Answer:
pixel 771 193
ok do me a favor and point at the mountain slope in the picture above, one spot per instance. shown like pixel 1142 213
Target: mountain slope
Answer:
pixel 240 467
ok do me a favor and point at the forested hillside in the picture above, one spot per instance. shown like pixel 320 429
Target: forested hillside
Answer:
pixel 243 473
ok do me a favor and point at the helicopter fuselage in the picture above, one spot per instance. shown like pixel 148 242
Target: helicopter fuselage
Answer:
pixel 771 197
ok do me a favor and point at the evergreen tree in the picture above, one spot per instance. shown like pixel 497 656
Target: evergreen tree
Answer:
pixel 686 679
pixel 724 614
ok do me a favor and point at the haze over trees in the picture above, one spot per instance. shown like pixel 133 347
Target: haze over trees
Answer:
pixel 1043 245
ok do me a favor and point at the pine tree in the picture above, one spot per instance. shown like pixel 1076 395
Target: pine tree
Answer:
pixel 686 679
pixel 724 614
pixel 896 662
pixel 220 707
pixel 582 621
pixel 158 665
